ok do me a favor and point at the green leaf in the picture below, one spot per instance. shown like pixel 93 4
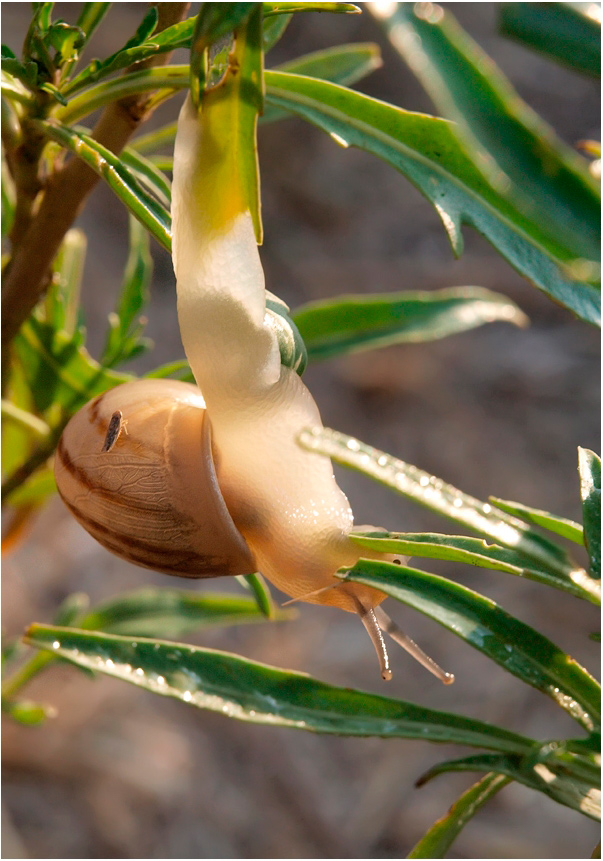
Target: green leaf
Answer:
pixel 58 369
pixel 54 92
pixel 26 73
pixel 563 31
pixel 256 584
pixel 105 92
pixel 62 302
pixel 548 770
pixel 342 64
pixel 39 24
pixel 444 499
pixel 177 36
pixel 459 548
pixel 42 15
pixel 510 144
pixel 9 195
pixel 442 834
pixel 148 174
pixel 118 177
pixel 232 111
pixel 484 625
pixel 152 141
pixel 559 525
pixel 72 609
pixel 32 423
pixel 67 41
pixel 214 22
pixel 589 466
pixel 23 430
pixel 13 90
pixel 28 713
pixel 290 8
pixel 352 323
pixel 178 370
pixel 426 151
pixel 249 88
pixel 272 30
pixel 258 693
pixel 125 329
pixel 164 612
pixel 35 491
pixel 91 16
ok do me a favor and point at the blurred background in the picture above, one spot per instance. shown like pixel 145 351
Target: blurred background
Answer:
pixel 120 773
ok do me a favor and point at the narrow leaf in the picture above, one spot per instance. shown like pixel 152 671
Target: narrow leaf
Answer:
pixel 117 176
pixel 352 323
pixel 256 584
pixel 91 16
pixel 507 141
pixel 63 299
pixel 565 32
pixel 101 94
pixel 290 8
pixel 442 834
pixel 516 647
pixel 144 29
pixel 459 548
pixel 444 499
pixel 177 36
pixel 589 465
pixel 213 23
pixel 35 491
pixel 28 713
pixel 559 525
pixel 229 176
pixel 272 30
pixel 149 175
pixel 258 693
pixel 152 141
pixel 9 194
pixel 426 151
pixel 573 787
pixel 342 64
pixel 125 329
pixel 179 370
pixel 32 423
pixel 59 370
pixel 158 612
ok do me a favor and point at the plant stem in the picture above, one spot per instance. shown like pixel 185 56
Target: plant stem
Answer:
pixel 23 675
pixel 64 196
pixel 36 459
pixel 24 419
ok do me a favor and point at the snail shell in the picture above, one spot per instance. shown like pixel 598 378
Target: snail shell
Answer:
pixel 152 497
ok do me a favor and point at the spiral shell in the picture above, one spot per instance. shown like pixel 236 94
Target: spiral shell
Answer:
pixel 144 483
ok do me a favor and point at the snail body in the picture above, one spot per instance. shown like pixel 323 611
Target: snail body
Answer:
pixel 206 480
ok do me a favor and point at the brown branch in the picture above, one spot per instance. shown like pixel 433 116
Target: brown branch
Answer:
pixel 64 195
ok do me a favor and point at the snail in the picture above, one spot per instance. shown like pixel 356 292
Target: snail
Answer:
pixel 206 480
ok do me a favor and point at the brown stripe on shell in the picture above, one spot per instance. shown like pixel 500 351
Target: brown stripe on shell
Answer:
pixel 94 409
pixel 76 471
pixel 181 562
pixel 80 474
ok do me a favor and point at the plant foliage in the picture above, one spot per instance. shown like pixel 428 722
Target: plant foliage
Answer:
pixel 489 163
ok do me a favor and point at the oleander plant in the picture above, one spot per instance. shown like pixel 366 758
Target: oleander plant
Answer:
pixel 218 463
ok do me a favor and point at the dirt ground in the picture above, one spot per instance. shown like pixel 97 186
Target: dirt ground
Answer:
pixel 120 773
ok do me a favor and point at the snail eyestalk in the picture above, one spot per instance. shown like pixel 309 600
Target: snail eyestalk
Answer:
pixel 389 626
pixel 369 620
